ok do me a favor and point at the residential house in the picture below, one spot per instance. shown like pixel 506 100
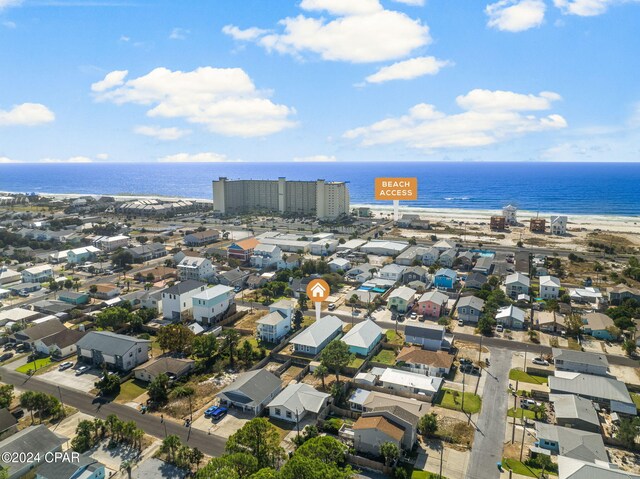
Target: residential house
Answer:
pixel 475 280
pixel 580 362
pixel 464 261
pixel 558 225
pixel 413 383
pixel 537 225
pixel 410 256
pixel 255 281
pixel 106 291
pixel 516 284
pixel 569 468
pixel 81 255
pixel 290 261
pixel 363 337
pixel 8 424
pixel 369 433
pixel 448 257
pixel 421 361
pixel 384 248
pixel 401 299
pixel 234 278
pixel 296 402
pixel 339 264
pixel 617 294
pixel 405 220
pixel 429 336
pixel 242 250
pixel 598 325
pixel 445 278
pixel 430 256
pixel 8 275
pixel 59 345
pixel 147 252
pixel 177 300
pixel 511 317
pixel 549 321
pixel 549 287
pixel 109 244
pixel 363 400
pixel 510 214
pixel 35 442
pixel 588 295
pixel 73 297
pixel 115 351
pixel 484 265
pixel 277 324
pixel 265 256
pixel 37 274
pixel 433 304
pixel 84 467
pixel 572 443
pixel 392 272
pixel 201 238
pixel 415 273
pixel 575 412
pixel 497 223
pixel 38 331
pixel 173 368
pixel 605 391
pixel 195 268
pixel 212 304
pixel 361 272
pixel 444 245
pixel 469 309
pixel 251 391
pixel 313 339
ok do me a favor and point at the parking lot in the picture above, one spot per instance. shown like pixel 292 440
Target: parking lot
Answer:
pixel 84 382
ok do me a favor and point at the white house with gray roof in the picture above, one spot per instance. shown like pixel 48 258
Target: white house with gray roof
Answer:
pixel 392 272
pixel 573 443
pixel 549 287
pixel 580 362
pixel 34 441
pixel 569 468
pixel 251 391
pixel 607 392
pixel 575 412
pixel 313 339
pixel 516 284
pixel 115 351
pixel 210 305
pixel 296 401
pixel 177 299
pixel 414 383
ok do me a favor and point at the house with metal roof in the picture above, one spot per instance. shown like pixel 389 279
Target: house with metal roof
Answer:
pixel 296 402
pixel 575 412
pixel 580 362
pixel 251 391
pixel 549 287
pixel 115 351
pixel 414 383
pixel 573 443
pixel 607 392
pixel 363 337
pixel 428 336
pixel 445 278
pixel 211 305
pixel 511 317
pixel 516 284
pixel 392 272
pixel 313 339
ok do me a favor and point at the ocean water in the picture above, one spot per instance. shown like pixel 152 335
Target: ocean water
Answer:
pixel 587 188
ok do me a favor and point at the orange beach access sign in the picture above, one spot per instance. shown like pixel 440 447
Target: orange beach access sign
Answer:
pixel 396 188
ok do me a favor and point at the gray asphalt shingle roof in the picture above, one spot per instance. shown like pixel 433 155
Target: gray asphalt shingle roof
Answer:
pixel 115 344
pixel 252 388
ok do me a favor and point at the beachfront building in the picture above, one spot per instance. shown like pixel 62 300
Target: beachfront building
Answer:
pixel 549 287
pixel 320 198
pixel 558 225
pixel 510 214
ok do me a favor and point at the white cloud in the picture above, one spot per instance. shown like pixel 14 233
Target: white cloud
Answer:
pixel 9 24
pixel 516 15
pixel 413 3
pixel 363 31
pixel 113 79
pixel 4 159
pixel 245 35
pixel 206 157
pixel 73 159
pixel 408 69
pixel 315 159
pixel 224 100
pixel 102 156
pixel 159 133
pixel 26 114
pixel 489 117
pixel 178 34
pixel 587 8
pixel 124 38
pixel 9 3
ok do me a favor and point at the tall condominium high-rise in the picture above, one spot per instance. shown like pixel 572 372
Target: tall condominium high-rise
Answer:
pixel 320 198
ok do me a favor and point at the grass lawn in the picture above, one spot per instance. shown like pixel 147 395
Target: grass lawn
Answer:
pixel 518 375
pixel 518 412
pixel 416 474
pixel 131 389
pixel 472 402
pixel 356 362
pixel 519 468
pixel 636 399
pixel 395 338
pixel 574 344
pixel 385 356
pixel 35 365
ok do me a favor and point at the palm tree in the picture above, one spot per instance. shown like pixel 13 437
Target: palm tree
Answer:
pixel 170 445
pixel 230 342
pixel 76 283
pixel 320 372
pixel 126 466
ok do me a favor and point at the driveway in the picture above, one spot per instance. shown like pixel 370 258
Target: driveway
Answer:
pixel 85 382
pixel 489 437
pixel 225 427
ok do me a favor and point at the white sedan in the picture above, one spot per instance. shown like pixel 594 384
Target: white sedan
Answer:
pixel 540 361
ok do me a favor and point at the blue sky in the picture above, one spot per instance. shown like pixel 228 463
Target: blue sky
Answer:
pixel 319 80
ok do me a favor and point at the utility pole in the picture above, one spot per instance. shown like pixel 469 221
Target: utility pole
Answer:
pixel 62 403
pixel 441 459
pixel 515 408
pixel 524 430
pixel 480 349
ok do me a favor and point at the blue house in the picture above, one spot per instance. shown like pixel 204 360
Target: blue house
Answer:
pixel 445 278
pixel 599 326
pixel 363 337
pixel 73 297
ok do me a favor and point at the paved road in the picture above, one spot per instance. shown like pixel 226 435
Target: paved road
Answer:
pixel 491 423
pixel 211 445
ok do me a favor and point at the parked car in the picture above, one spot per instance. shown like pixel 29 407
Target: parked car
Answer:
pixel 499 328
pixel 527 403
pixel 414 315
pixel 465 361
pixel 219 413
pixel 65 365
pixel 540 361
pixel 82 370
pixel 6 356
pixel 460 322
pixel 332 306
